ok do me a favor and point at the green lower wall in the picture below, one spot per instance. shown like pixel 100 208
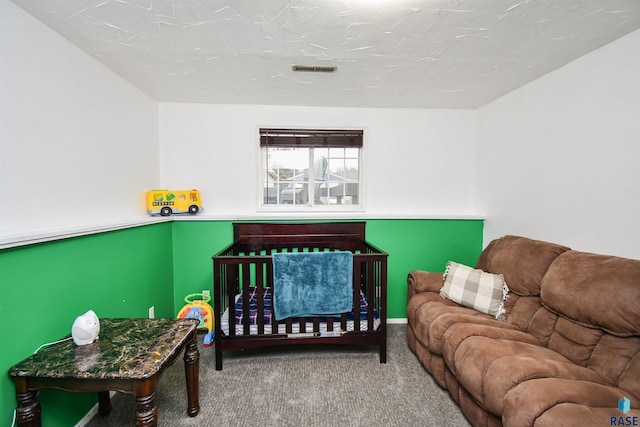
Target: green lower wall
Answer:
pixel 43 287
pixel 411 244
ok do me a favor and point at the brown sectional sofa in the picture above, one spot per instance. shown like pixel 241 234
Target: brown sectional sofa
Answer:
pixel 567 353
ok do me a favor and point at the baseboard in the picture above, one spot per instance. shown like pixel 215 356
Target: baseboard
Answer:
pixel 92 413
pixel 397 321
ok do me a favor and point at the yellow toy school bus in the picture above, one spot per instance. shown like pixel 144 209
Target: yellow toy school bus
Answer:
pixel 167 202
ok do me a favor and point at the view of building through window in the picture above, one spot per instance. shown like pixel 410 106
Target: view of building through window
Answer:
pixel 310 175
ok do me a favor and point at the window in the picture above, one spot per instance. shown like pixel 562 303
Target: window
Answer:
pixel 304 168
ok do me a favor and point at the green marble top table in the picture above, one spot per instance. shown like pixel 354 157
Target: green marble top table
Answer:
pixel 129 356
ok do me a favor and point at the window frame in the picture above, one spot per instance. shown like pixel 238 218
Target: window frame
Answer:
pixel 310 138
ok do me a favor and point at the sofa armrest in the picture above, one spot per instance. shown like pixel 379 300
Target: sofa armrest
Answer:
pixel 548 401
pixel 424 281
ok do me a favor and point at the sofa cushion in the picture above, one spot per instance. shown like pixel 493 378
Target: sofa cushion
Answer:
pixel 475 289
pixel 522 261
pixel 629 379
pixel 596 291
pixel 426 320
pixel 443 323
pixel 528 315
pixel 489 368
pixel 574 341
pixel 528 401
pixel 458 333
pixel 582 415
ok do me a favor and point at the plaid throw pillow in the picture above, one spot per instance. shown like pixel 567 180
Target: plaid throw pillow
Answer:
pixel 475 289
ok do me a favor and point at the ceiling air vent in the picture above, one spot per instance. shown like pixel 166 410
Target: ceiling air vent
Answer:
pixel 313 68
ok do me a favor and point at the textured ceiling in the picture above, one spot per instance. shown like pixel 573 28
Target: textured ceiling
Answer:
pixel 388 53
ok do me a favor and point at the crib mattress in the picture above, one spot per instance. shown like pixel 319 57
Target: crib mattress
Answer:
pixel 253 317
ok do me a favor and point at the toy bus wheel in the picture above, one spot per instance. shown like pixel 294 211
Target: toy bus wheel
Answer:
pixel 165 211
pixel 193 209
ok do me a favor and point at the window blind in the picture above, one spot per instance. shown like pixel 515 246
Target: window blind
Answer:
pixel 310 138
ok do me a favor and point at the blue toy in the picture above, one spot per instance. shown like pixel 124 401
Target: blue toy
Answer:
pixel 199 309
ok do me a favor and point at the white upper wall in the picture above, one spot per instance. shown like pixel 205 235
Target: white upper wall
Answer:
pixel 559 159
pixel 417 163
pixel 78 144
pixel 556 160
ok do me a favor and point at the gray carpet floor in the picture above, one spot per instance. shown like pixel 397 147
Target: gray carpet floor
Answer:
pixel 302 386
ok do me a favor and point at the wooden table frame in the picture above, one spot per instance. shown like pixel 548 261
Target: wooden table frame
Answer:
pixel 143 389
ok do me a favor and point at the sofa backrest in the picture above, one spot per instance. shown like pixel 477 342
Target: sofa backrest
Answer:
pixel 584 306
pixel 523 262
pixel 597 301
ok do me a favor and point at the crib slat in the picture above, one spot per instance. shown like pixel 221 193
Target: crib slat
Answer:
pixel 274 322
pixel 343 322
pixel 357 265
pixel 260 296
pixel 246 295
pixel 232 287
pixel 371 295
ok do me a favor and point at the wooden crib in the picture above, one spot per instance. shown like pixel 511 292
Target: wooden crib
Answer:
pixel 243 279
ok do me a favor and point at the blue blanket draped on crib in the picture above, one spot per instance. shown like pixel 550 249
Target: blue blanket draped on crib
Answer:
pixel 307 284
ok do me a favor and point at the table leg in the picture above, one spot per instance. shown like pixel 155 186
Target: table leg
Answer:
pixel 28 411
pixel 104 403
pixel 192 371
pixel 146 412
